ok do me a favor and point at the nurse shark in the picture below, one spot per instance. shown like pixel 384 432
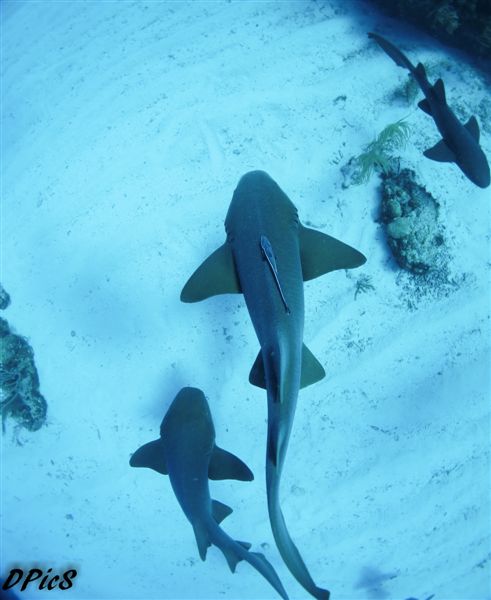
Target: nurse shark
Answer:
pixel 187 453
pixel 267 256
pixel 459 143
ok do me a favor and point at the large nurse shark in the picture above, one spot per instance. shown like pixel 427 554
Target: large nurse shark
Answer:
pixel 459 143
pixel 187 453
pixel 267 256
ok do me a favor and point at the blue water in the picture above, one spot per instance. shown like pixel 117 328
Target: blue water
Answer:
pixel 125 129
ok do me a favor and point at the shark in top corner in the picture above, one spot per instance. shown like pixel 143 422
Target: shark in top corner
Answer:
pixel 459 143
pixel 267 256
pixel 187 453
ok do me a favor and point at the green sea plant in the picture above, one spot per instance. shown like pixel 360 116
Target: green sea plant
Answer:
pixel 363 285
pixel 378 154
pixel 20 397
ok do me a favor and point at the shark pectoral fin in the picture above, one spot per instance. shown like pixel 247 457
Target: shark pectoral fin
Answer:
pixel 472 127
pixel 220 511
pixel 424 105
pixel 257 376
pixel 439 90
pixel 152 456
pixel 225 465
pixel 440 152
pixel 216 275
pixel 321 253
pixel 312 370
pixel 202 539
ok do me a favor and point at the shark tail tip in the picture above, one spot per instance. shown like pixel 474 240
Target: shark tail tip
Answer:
pixel 322 594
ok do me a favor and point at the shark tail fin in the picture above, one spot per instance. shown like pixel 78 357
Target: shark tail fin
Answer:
pixel 397 56
pixel 216 275
pixel 321 253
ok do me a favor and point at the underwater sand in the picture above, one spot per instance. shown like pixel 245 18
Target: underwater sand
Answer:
pixel 126 127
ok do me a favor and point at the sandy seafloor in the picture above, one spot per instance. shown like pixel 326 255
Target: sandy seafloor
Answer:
pixel 126 127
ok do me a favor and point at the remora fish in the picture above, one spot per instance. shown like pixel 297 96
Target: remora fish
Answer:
pixel 270 274
pixel 459 143
pixel 186 451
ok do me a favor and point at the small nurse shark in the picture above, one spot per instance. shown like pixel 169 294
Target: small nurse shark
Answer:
pixel 187 453
pixel 267 256
pixel 459 143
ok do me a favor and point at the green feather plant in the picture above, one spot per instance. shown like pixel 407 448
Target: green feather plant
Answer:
pixel 378 154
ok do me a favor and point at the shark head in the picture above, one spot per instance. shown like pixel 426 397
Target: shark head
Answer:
pixel 189 414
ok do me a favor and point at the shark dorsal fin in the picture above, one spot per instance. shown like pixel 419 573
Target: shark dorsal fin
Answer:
pixel 439 90
pixel 312 370
pixel 220 511
pixel 440 152
pixel 245 545
pixel 321 253
pixel 424 105
pixel 225 465
pixel 472 127
pixel 420 70
pixel 216 275
pixel 202 539
pixel 257 376
pixel 152 456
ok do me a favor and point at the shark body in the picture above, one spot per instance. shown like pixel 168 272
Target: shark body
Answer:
pixel 267 256
pixel 187 453
pixel 459 143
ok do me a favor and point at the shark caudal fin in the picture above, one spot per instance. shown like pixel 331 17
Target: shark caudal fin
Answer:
pixel 321 253
pixel 236 551
pixel 312 370
pixel 289 552
pixel 397 56
pixel 225 465
pixel 216 275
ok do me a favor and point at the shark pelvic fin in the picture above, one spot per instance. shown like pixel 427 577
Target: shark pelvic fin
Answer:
pixel 220 511
pixel 225 465
pixel 216 275
pixel 424 105
pixel 202 539
pixel 440 152
pixel 472 127
pixel 312 370
pixel 321 253
pixel 439 90
pixel 152 456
